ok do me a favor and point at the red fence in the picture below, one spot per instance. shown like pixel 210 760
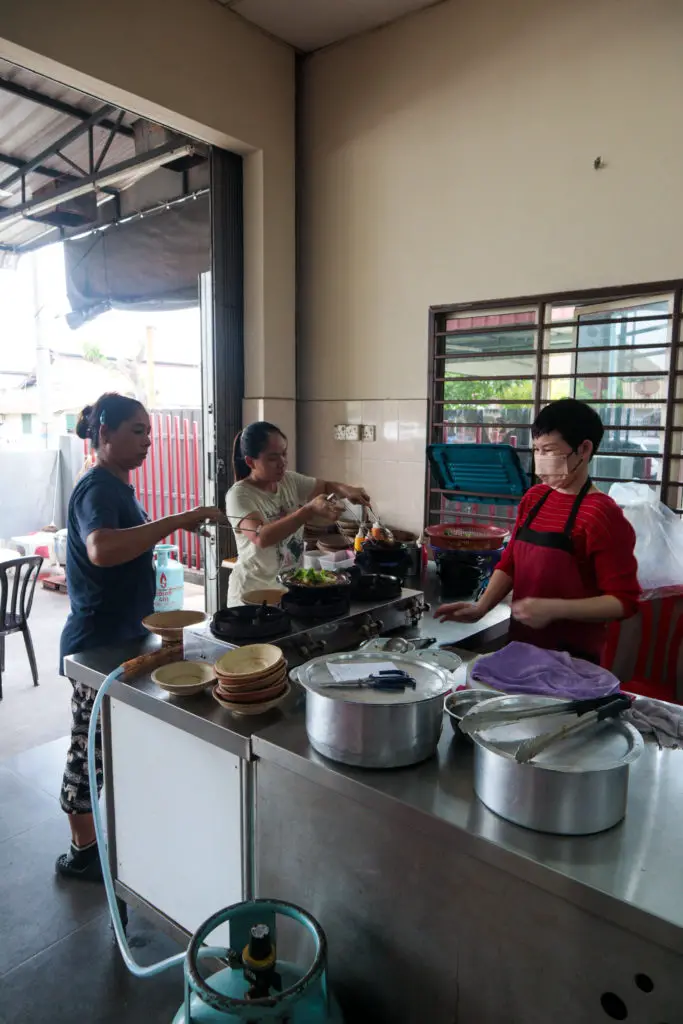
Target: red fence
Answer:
pixel 170 479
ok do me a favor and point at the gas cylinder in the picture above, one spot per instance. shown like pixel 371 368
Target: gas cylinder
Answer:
pixel 257 987
pixel 170 590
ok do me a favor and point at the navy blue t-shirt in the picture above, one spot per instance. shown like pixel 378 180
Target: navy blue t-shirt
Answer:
pixel 109 603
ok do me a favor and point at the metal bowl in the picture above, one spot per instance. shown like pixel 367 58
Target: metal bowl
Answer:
pixel 459 703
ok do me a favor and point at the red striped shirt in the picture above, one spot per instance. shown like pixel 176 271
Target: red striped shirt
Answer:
pixel 603 538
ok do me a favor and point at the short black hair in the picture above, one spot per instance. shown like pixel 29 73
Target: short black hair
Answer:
pixel 573 420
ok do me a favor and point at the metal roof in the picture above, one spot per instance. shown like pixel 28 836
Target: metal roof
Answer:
pixel 35 113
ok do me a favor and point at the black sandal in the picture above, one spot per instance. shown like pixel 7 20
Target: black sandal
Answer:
pixel 82 864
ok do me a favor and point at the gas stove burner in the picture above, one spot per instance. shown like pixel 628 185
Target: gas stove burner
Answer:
pixel 330 607
pixel 250 623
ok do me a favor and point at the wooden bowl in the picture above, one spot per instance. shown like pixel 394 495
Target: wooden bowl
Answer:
pixel 252 662
pixel 253 696
pixel 272 596
pixel 233 679
pixel 235 686
pixel 251 709
pixel 170 625
pixel 335 542
pixel 184 678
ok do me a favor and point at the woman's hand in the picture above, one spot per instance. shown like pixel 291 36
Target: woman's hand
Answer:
pixel 461 611
pixel 322 508
pixel 196 517
pixel 356 495
pixel 535 612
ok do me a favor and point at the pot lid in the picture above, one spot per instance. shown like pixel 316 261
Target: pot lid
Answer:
pixel 608 744
pixel 430 680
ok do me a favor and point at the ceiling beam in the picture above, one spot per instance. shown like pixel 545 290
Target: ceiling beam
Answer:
pixel 46 172
pixel 59 105
pixel 104 179
pixel 61 143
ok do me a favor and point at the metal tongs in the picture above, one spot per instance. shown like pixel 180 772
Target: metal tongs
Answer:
pixel 390 680
pixel 610 707
pixel 588 712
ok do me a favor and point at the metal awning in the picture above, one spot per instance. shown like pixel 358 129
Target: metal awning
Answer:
pixel 58 146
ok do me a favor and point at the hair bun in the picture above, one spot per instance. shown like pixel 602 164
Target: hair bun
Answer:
pixel 83 429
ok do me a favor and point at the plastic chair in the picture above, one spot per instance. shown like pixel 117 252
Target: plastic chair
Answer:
pixel 18 579
pixel 644 652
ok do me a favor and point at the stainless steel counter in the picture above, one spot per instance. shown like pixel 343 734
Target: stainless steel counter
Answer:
pixel 629 875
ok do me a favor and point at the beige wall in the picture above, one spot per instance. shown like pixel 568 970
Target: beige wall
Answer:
pixel 193 65
pixel 449 157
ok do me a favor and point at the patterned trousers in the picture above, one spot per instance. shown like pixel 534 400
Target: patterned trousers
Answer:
pixel 75 793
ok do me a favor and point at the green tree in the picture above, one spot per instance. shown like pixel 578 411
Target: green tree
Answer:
pixel 488 390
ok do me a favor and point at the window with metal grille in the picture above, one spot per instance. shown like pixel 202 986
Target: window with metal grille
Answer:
pixel 494 365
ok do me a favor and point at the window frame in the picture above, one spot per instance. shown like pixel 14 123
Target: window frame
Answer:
pixel 543 304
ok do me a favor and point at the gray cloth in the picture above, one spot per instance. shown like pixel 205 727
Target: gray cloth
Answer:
pixel 653 718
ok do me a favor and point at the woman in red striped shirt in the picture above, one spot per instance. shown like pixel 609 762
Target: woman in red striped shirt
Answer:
pixel 570 563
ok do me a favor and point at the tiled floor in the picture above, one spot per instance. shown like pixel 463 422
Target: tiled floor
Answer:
pixel 58 959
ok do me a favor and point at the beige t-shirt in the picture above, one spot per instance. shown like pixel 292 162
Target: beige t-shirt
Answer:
pixel 256 567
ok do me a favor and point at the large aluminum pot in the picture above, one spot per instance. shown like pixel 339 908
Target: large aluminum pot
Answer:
pixel 369 728
pixel 577 786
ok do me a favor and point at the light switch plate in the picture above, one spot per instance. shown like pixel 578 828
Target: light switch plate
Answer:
pixel 340 432
pixel 369 433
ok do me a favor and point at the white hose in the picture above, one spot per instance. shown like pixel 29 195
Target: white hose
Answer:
pixel 133 967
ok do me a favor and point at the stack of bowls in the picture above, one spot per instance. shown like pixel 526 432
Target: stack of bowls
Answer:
pixel 251 679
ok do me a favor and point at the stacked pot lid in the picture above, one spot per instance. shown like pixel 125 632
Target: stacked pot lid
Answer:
pixel 251 679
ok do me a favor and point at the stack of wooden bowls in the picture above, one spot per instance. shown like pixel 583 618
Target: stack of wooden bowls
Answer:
pixel 251 679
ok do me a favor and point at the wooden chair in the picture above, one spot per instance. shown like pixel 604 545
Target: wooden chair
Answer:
pixel 18 579
pixel 646 651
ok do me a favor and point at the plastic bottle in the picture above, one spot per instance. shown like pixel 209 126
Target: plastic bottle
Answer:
pixel 170 591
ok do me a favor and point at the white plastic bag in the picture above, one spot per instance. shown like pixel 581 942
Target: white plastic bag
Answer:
pixel 659 536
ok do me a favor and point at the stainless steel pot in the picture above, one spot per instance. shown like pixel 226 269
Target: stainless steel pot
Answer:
pixel 578 786
pixel 368 728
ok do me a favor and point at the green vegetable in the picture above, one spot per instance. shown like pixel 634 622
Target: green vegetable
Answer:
pixel 313 577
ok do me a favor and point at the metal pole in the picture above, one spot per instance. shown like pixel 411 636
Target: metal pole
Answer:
pixel 43 367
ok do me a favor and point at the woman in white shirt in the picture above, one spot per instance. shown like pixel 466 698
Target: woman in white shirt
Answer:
pixel 268 507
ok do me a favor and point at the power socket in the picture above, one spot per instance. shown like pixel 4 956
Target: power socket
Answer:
pixel 347 432
pixel 369 433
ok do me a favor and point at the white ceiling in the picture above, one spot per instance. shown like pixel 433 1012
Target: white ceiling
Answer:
pixel 310 24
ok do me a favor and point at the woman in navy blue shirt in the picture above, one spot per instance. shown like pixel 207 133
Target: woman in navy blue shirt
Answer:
pixel 111 583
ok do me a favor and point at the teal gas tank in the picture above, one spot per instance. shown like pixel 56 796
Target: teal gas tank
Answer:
pixel 170 579
pixel 257 987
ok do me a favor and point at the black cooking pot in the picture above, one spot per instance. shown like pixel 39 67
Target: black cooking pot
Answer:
pixel 385 558
pixel 313 594
pixel 462 573
pixel 375 586
pixel 249 622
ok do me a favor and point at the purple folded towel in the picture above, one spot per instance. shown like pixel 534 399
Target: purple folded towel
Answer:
pixel 523 668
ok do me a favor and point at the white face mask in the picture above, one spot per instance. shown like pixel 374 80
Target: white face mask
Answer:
pixel 554 469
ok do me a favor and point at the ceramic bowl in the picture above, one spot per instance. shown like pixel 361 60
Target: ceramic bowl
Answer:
pixel 236 686
pixel 170 625
pixel 251 709
pixel 184 678
pixel 252 662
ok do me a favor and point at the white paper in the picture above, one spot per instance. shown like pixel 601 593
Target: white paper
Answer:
pixel 349 672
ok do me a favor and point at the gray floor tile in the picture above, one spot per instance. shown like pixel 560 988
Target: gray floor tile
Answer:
pixel 22 805
pixel 37 908
pixel 82 978
pixel 43 766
